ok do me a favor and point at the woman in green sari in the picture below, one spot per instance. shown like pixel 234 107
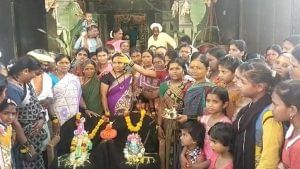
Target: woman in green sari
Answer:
pixel 90 85
pixel 171 96
pixel 195 97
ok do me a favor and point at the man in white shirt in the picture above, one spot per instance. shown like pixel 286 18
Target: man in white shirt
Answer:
pixel 160 38
pixel 91 40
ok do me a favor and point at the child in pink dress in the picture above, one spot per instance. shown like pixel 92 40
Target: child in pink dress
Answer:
pixel 216 104
pixel 221 141
pixel 286 107
pixel 192 140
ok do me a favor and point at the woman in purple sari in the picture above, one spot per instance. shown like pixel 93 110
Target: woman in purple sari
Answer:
pixel 116 89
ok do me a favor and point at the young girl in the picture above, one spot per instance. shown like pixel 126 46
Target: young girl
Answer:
pixel 221 141
pixel 238 49
pixel 286 107
pixel 258 136
pixel 192 140
pixel 214 55
pixel 227 67
pixel 282 66
pixel 272 53
pixel 8 113
pixel 216 104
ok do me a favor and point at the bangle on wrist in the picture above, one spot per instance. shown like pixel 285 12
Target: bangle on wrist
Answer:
pixel 131 63
pixel 55 121
pixel 25 147
pixel 53 117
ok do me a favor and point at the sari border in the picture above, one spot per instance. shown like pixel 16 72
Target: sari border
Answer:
pixel 116 82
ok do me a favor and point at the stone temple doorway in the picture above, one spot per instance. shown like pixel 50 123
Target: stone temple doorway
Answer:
pixel 134 26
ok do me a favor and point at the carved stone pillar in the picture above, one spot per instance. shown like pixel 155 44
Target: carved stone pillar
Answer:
pixel 185 23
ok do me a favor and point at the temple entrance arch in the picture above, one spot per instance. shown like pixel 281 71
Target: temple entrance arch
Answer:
pixel 134 26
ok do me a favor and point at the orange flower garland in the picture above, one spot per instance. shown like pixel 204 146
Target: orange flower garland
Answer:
pixel 138 126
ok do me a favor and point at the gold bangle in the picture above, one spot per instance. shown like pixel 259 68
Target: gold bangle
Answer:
pixel 23 150
pixel 107 113
pixel 55 121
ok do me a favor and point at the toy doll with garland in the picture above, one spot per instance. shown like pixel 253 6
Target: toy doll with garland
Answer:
pixel 134 150
pixel 80 145
pixel 109 152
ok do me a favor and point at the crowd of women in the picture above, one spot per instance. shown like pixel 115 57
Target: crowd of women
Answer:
pixel 232 109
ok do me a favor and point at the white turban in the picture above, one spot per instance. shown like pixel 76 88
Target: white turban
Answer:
pixel 41 55
pixel 153 25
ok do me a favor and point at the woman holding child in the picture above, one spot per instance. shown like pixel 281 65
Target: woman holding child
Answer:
pixel 31 115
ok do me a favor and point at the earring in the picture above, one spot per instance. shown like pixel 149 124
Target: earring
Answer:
pixel 291 117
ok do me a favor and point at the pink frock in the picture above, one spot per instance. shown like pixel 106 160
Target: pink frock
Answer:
pixel 214 161
pixel 291 150
pixel 207 148
pixel 116 44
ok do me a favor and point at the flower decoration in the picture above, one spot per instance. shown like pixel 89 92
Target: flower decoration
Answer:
pixel 100 122
pixel 80 144
pixel 129 124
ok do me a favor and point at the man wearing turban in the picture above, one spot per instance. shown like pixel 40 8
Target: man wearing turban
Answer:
pixel 159 38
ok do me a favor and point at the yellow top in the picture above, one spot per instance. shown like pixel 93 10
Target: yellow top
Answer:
pixel 5 149
pixel 5 139
pixel 268 155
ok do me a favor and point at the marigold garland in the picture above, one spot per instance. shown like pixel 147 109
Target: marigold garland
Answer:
pixel 78 115
pixel 138 126
pixel 95 130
